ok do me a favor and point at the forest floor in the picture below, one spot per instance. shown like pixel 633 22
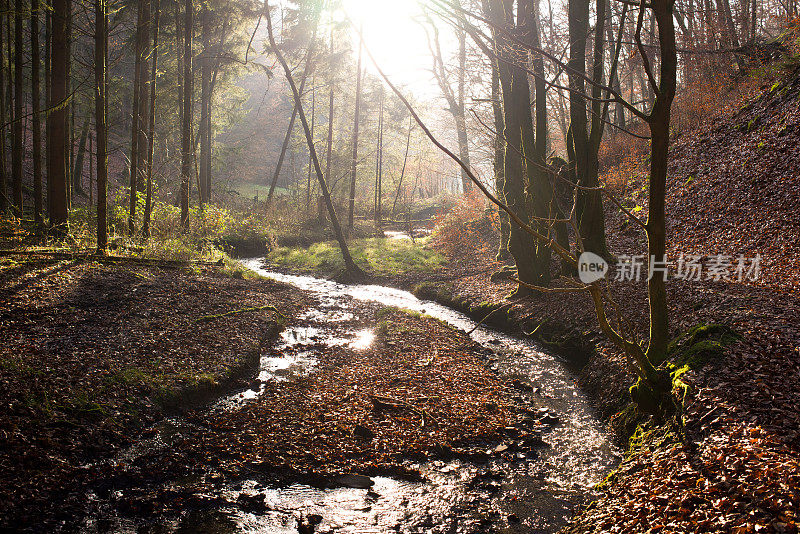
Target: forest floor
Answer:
pixel 92 354
pixel 733 190
pixel 96 357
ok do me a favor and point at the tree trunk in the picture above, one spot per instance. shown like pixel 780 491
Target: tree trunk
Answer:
pixel 186 128
pixel 656 220
pixel 91 170
pixel 18 151
pixel 48 32
pixel 354 162
pixel 151 128
pixel 101 129
pixel 70 111
pixel 205 105
pixel 310 163
pixel 142 38
pixel 289 130
pixel 57 119
pixel 35 109
pixel 179 71
pixel 540 189
pixel 379 167
pixel 352 269
pixel 516 110
pixel 403 169
pixel 497 161
pixel 589 208
pixel 3 170
pixel 77 169
pixel 460 111
pixel 454 99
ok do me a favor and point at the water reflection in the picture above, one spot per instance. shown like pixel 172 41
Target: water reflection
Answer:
pixel 580 453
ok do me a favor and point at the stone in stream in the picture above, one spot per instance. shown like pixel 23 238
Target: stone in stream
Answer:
pixel 547 418
pixel 531 442
pixel 522 386
pixel 500 448
pixel 253 504
pixel 355 481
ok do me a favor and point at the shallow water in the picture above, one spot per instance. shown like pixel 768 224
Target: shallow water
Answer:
pixel 532 492
pixel 542 491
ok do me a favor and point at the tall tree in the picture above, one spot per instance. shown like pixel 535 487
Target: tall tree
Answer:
pixel 138 107
pixel 354 161
pixel 351 268
pixel 332 84
pixel 290 128
pixel 379 167
pixel 151 129
pixel 58 117
pixel 454 97
pixel 497 162
pixel 77 167
pixel 18 150
pixel 3 176
pixel 659 122
pixel 101 127
pixel 403 168
pixel 589 208
pixel 519 139
pixel 205 104
pixel 186 127
pixel 310 162
pixel 36 119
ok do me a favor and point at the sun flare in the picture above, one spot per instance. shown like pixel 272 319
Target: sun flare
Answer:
pixel 393 33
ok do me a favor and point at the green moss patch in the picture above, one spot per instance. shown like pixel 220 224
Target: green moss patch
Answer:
pixel 389 257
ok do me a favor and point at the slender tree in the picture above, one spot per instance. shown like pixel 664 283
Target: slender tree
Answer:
pixel 205 104
pixel 310 162
pixel 288 136
pixel 351 268
pixel 454 97
pixel 497 163
pixel 91 169
pixel 354 161
pixel 18 150
pixel 48 32
pixel 77 168
pixel 58 117
pixel 332 88
pixel 186 128
pixel 3 176
pixel 151 129
pixel 379 167
pixel 138 107
pixel 101 127
pixel 403 168
pixel 36 119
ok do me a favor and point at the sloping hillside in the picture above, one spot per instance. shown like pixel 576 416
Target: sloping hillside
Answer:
pixel 735 189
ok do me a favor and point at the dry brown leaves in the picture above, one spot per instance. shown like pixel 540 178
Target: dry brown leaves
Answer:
pixel 85 348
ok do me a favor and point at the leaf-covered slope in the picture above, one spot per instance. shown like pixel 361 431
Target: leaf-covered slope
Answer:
pixel 735 188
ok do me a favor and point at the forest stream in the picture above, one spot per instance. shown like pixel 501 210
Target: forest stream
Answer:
pixel 514 491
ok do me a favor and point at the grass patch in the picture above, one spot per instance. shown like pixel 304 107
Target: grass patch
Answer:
pixel 377 255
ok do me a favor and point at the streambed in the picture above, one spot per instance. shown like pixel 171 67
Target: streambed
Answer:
pixel 507 491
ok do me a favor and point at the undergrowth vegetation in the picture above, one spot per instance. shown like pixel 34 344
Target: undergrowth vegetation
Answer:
pixel 377 255
pixel 466 226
